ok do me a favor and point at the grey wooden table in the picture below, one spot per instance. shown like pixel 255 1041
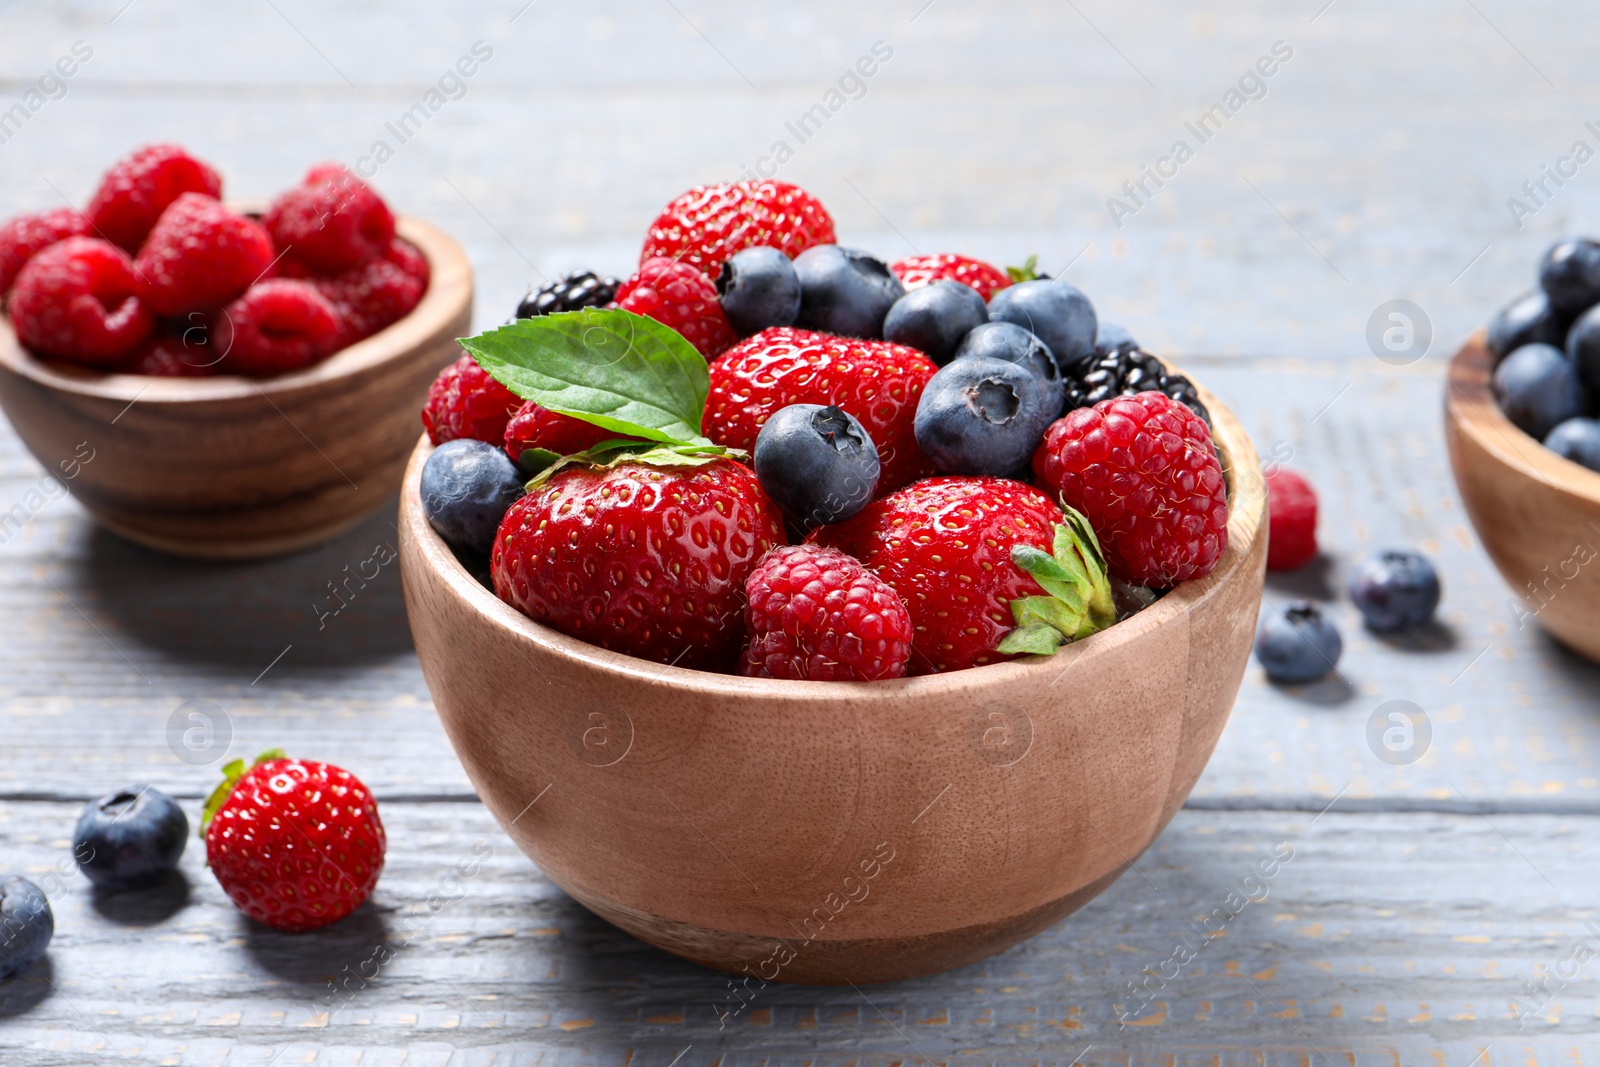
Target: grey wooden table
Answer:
pixel 1421 899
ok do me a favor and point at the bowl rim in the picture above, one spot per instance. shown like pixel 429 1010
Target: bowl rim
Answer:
pixel 1246 522
pixel 1471 408
pixel 449 284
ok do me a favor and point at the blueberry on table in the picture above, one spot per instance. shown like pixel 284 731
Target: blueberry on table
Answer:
pixel 759 288
pixel 935 317
pixel 818 464
pixel 1055 312
pixel 467 486
pixel 1577 440
pixel 1537 387
pixel 845 292
pixel 1569 273
pixel 26 925
pixel 1396 589
pixel 130 839
pixel 980 415
pixel 580 289
pixel 1527 320
pixel 1583 347
pixel 1297 645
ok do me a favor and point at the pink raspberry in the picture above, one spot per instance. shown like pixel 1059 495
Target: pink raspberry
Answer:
pixel 331 223
pixel 1291 521
pixel 138 188
pixel 815 613
pixel 26 236
pixel 200 255
pixel 464 401
pixel 680 296
pixel 78 300
pixel 277 326
pixel 370 297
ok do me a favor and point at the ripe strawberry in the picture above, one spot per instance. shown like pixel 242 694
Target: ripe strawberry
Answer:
pixel 678 295
pixel 332 222
pixel 77 300
pixel 946 545
pixel 646 560
pixel 815 613
pixel 709 223
pixel 25 236
pixel 1291 521
pixel 877 382
pixel 277 326
pixel 138 188
pixel 1144 471
pixel 536 427
pixel 464 401
pixel 295 843
pixel 917 271
pixel 200 255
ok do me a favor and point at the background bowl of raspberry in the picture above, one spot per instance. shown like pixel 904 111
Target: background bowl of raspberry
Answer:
pixel 241 468
pixel 832 832
pixel 1537 514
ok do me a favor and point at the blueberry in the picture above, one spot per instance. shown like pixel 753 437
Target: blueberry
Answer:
pixel 935 317
pixel 982 415
pixel 1577 440
pixel 759 288
pixel 1527 320
pixel 466 488
pixel 1537 387
pixel 1396 589
pixel 1299 645
pixel 1012 343
pixel 1569 273
pixel 1057 313
pixel 1583 347
pixel 816 463
pixel 1108 335
pixel 130 839
pixel 845 292
pixel 26 925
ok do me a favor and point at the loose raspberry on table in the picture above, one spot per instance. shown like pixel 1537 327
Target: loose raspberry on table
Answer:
pixel 1143 470
pixel 138 188
pixel 917 271
pixel 200 255
pixel 464 401
pixel 277 326
pixel 370 297
pixel 709 223
pixel 332 223
pixel 78 300
pixel 877 382
pixel 536 427
pixel 679 296
pixel 25 236
pixel 817 614
pixel 1291 520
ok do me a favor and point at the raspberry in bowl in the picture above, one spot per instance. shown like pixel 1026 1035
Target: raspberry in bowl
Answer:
pixel 243 380
pixel 748 674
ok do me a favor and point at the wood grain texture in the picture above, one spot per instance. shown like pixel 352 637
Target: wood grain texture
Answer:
pixel 488 962
pixel 1537 514
pixel 238 468
pixel 1039 780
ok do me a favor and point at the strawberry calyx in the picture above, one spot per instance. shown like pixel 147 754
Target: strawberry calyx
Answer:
pixel 1028 272
pixel 1078 599
pixel 231 773
pixel 614 453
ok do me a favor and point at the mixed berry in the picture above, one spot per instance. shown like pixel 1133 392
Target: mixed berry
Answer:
pixel 1545 346
pixel 159 277
pixel 768 453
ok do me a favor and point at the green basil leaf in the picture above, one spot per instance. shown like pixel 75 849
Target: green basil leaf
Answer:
pixel 618 370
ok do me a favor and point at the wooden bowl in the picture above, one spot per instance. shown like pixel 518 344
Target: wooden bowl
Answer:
pixel 239 468
pixel 1537 514
pixel 831 832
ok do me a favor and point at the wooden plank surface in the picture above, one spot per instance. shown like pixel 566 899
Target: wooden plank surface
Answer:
pixel 1377 166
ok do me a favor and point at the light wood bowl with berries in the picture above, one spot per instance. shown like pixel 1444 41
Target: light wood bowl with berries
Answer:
pixel 228 467
pixel 831 832
pixel 1536 513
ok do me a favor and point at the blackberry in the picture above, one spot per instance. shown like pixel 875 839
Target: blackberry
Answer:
pixel 580 289
pixel 1125 370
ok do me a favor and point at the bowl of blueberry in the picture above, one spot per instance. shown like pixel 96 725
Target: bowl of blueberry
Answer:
pixel 1520 418
pixel 822 619
pixel 222 379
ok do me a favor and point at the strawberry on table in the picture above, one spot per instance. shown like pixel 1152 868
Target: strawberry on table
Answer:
pixel 296 844
pixel 709 223
pixel 977 560
pixel 876 382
